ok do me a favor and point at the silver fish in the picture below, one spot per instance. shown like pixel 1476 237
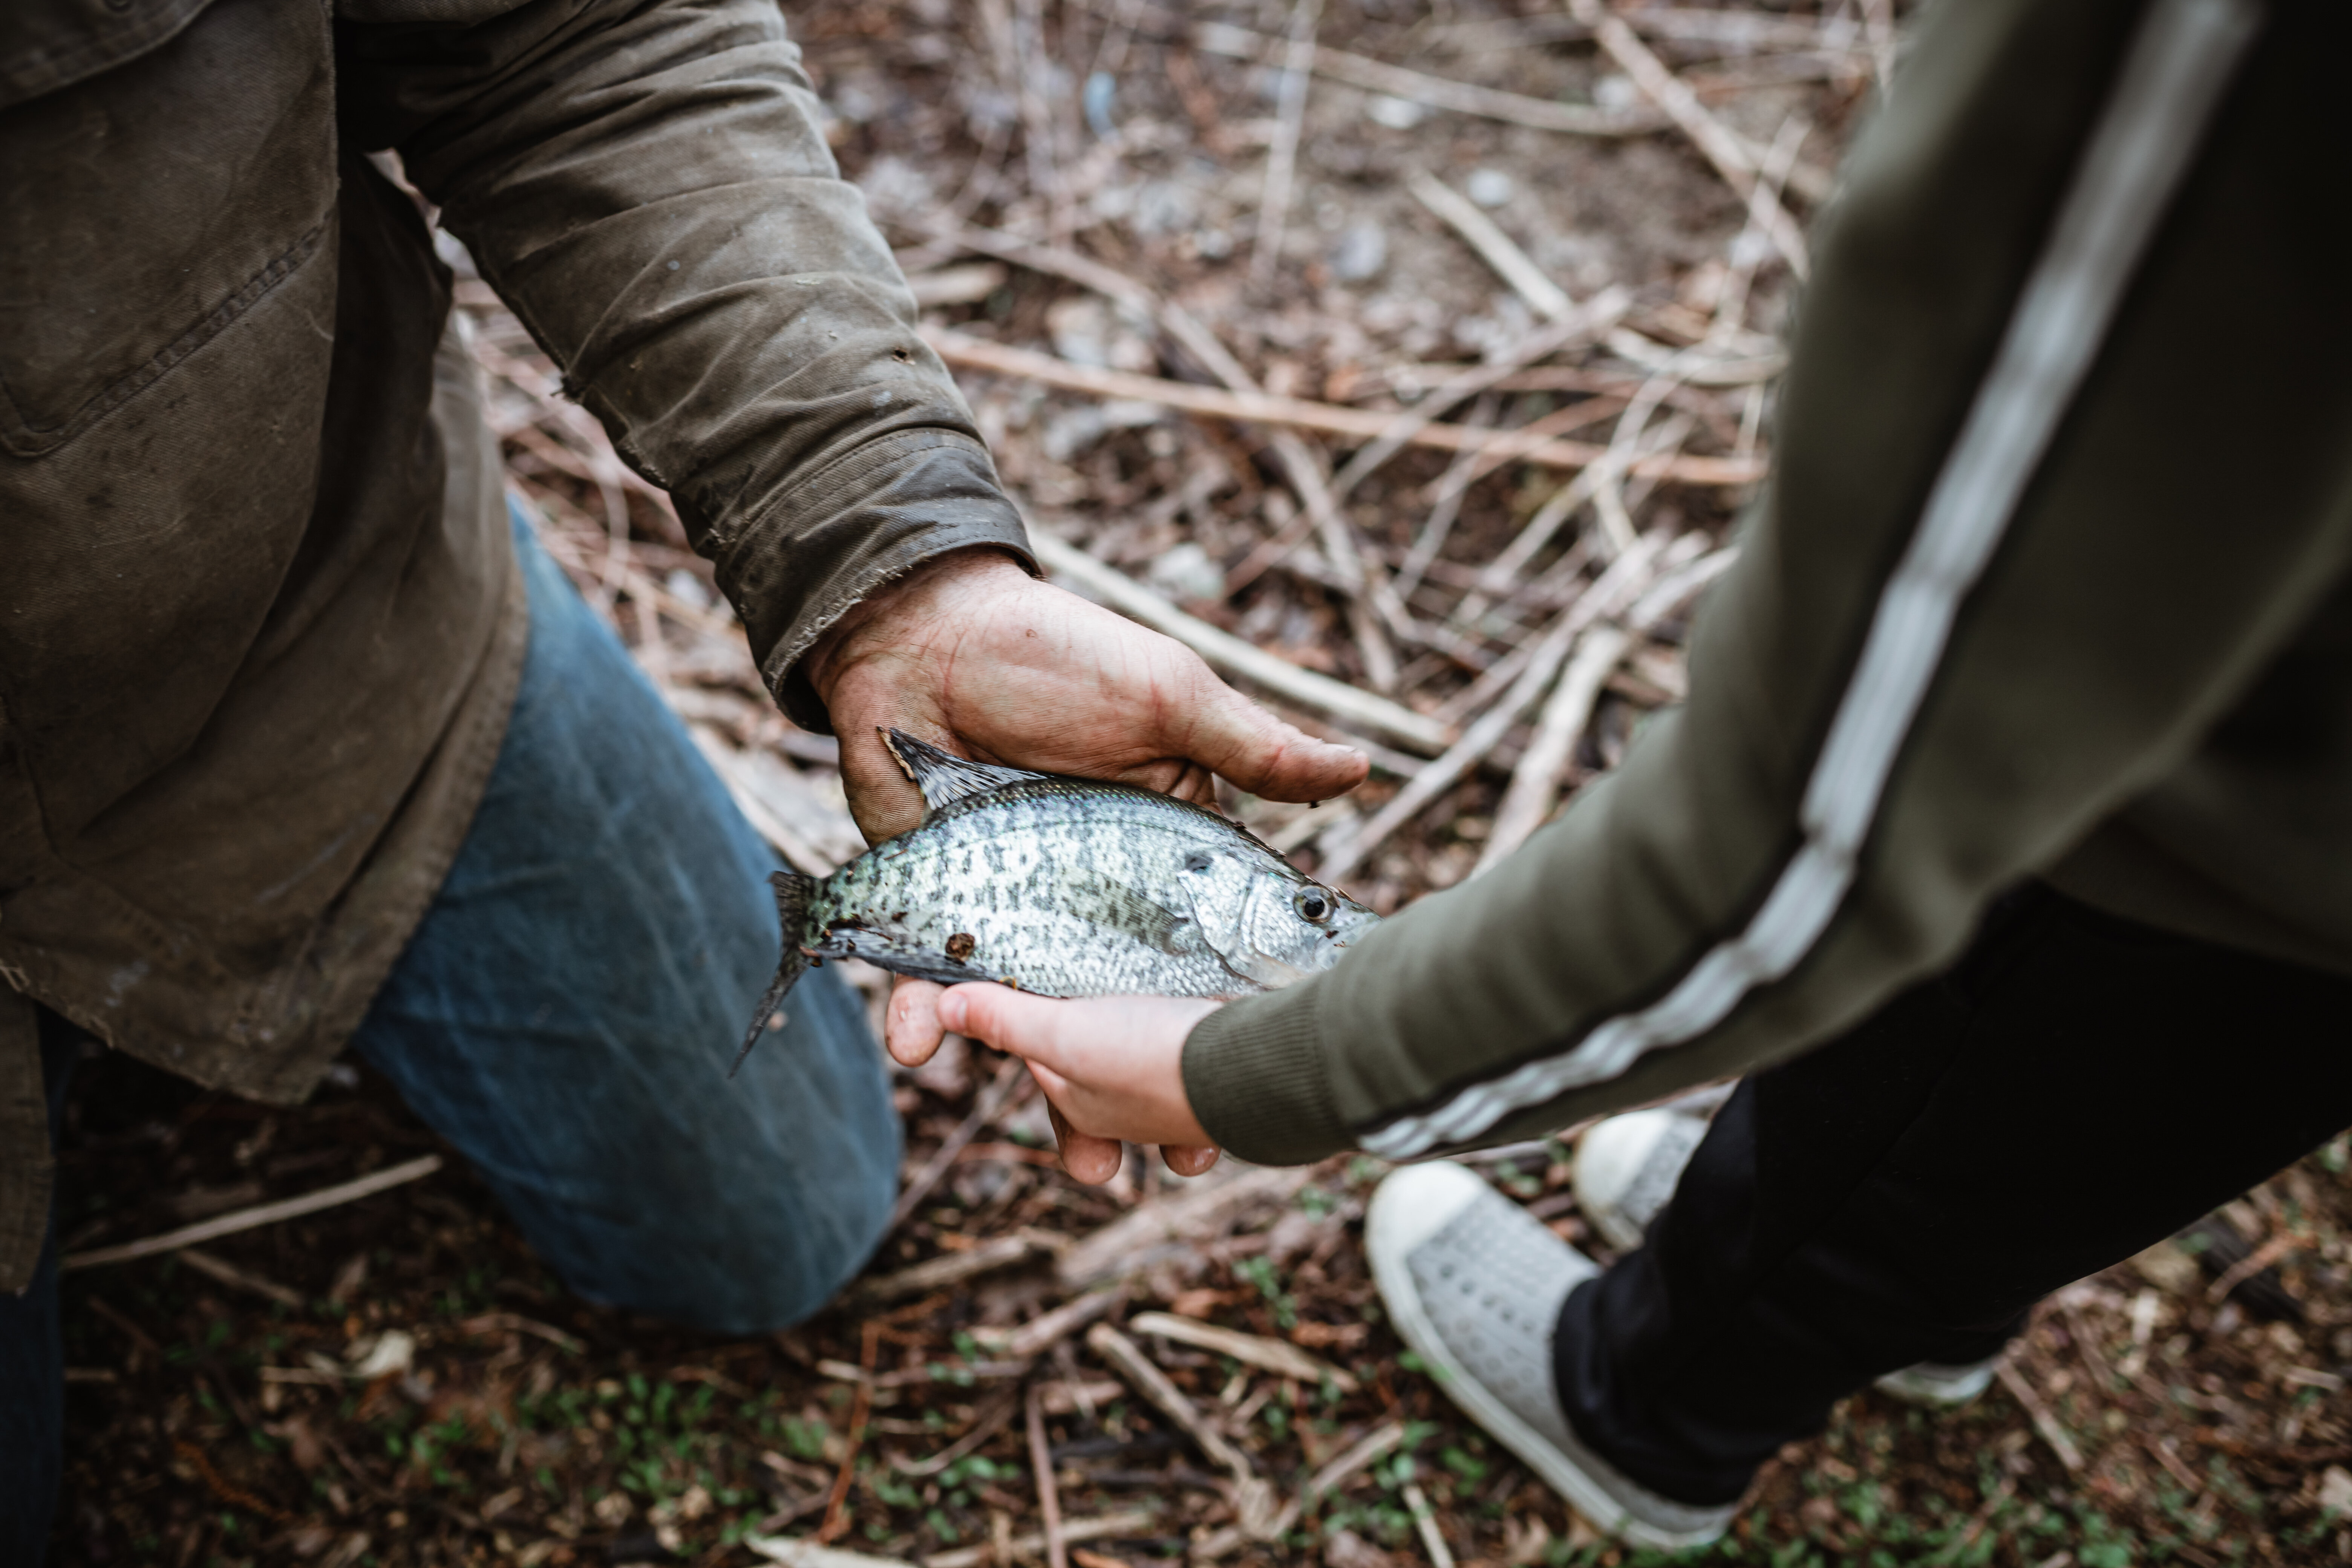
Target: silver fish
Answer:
pixel 1066 887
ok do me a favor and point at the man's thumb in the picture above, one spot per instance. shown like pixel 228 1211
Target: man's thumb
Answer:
pixel 1243 742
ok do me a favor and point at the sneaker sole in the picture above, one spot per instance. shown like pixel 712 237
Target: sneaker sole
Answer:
pixel 1389 1237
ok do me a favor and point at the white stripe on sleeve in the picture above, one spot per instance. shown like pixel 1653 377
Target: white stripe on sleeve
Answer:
pixel 2171 81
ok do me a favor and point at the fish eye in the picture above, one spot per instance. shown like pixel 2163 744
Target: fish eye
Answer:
pixel 1313 905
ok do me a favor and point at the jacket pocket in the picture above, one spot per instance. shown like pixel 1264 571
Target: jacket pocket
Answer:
pixel 152 206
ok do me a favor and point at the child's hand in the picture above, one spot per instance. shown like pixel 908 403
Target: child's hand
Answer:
pixel 1111 1066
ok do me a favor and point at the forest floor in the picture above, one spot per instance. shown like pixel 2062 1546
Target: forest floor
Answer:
pixel 1471 211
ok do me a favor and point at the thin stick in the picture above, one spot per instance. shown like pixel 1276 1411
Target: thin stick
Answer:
pixel 1046 1329
pixel 1135 1521
pixel 2043 1422
pixel 1728 153
pixel 1356 577
pixel 1362 709
pixel 1435 92
pixel 1037 119
pixel 1049 1494
pixel 1535 784
pixel 229 1274
pixel 1495 247
pixel 1291 110
pixel 1474 696
pixel 1450 488
pixel 954 1267
pixel 1127 1358
pixel 1278 1356
pixel 1424 1524
pixel 1257 1512
pixel 1263 408
pixel 1598 315
pixel 993 1420
pixel 861 1405
pixel 1543 662
pixel 254 1217
pixel 991 1105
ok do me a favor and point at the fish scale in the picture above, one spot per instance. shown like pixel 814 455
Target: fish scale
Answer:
pixel 1065 887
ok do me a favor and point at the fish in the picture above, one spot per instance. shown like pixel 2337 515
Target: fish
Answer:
pixel 1062 887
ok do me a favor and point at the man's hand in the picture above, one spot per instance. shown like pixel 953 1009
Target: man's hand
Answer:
pixel 1111 1066
pixel 973 653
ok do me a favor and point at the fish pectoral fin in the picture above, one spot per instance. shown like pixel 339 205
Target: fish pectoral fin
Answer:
pixel 1104 901
pixel 944 777
pixel 1218 886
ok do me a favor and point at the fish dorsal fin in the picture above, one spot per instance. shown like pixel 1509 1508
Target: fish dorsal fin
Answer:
pixel 944 777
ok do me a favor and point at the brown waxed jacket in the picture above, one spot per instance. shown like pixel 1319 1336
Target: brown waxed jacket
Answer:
pixel 259 626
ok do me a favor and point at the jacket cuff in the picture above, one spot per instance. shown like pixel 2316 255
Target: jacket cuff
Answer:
pixel 864 522
pixel 1254 1071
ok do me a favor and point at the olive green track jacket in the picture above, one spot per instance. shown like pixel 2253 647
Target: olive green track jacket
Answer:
pixel 2049 579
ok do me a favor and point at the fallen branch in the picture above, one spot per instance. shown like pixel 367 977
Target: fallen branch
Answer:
pixel 1435 92
pixel 1535 784
pixel 1425 1523
pixel 1364 709
pixel 1278 1356
pixel 954 1267
pixel 1041 1472
pixel 1598 315
pixel 992 1421
pixel 1290 110
pixel 1607 594
pixel 1263 408
pixel 861 1406
pixel 1175 1224
pixel 1730 153
pixel 254 1217
pixel 991 1104
pixel 229 1274
pixel 1253 1497
pixel 2045 1422
pixel 1046 1329
pixel 1109 1526
pixel 1325 1481
pixel 809 1555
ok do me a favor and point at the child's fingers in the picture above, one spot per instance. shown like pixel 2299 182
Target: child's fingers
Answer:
pixel 1188 1159
pixel 1008 1019
pixel 910 1025
pixel 1085 1157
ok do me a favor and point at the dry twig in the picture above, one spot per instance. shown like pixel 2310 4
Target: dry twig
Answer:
pixel 259 1215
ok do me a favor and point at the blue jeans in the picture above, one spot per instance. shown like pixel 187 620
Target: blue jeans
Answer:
pixel 565 1014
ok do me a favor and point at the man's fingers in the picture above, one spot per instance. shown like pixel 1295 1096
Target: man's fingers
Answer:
pixel 882 799
pixel 1188 1159
pixel 911 1030
pixel 1262 754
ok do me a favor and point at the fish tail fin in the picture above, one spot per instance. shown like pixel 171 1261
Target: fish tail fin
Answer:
pixel 793 894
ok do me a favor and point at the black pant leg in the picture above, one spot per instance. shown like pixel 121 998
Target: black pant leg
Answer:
pixel 2075 1088
pixel 31 1357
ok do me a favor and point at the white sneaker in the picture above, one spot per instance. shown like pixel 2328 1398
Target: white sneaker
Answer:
pixel 1475 1286
pixel 1628 1166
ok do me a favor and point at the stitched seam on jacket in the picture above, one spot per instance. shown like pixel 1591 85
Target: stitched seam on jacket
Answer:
pixel 42 439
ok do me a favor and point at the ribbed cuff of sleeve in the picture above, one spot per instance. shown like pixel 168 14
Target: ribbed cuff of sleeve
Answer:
pixel 1255 1073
